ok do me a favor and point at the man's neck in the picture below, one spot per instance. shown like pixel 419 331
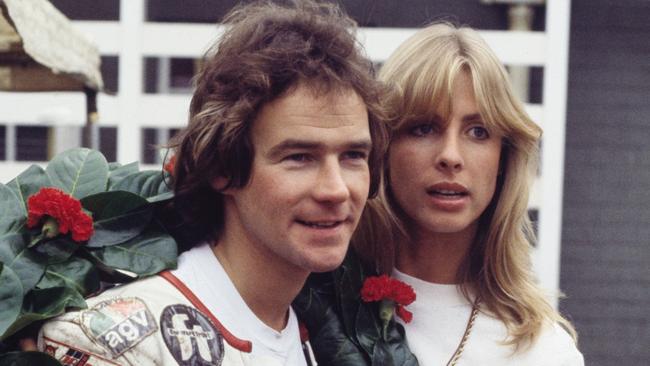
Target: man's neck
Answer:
pixel 267 285
pixel 435 257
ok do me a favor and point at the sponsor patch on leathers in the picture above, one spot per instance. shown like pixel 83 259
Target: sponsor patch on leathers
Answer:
pixel 191 337
pixel 74 356
pixel 118 324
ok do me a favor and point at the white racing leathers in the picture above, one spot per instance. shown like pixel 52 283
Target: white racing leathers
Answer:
pixel 155 321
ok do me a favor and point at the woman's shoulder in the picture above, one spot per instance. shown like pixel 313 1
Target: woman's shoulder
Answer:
pixel 556 342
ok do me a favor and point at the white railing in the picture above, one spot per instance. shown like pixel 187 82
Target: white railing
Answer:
pixel 133 39
pixel 556 69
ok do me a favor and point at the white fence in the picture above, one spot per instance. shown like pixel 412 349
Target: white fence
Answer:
pixel 133 39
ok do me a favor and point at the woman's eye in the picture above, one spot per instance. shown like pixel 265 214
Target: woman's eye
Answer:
pixel 421 130
pixel 480 133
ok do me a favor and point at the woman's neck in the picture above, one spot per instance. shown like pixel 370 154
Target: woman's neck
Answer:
pixel 435 257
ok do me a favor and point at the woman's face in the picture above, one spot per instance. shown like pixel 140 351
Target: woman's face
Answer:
pixel 443 172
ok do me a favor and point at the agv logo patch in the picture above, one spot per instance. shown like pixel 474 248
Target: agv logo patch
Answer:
pixel 118 324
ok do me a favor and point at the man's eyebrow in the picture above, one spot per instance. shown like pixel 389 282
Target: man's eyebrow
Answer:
pixel 293 144
pixel 363 144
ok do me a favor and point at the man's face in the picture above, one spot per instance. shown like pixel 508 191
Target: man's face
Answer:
pixel 309 180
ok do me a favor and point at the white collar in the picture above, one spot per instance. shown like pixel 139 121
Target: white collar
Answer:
pixel 202 272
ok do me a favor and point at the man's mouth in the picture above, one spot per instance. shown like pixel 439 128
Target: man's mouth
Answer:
pixel 320 224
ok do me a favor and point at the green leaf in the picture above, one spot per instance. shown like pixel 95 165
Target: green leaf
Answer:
pixel 106 205
pixel 146 254
pixel 29 358
pixel 11 299
pixel 118 216
pixel 117 173
pixel 41 304
pixel 113 165
pixel 161 197
pixel 381 354
pixel 349 280
pixel 58 249
pixel 316 305
pixel 368 326
pixel 148 184
pixel 28 183
pixel 13 213
pixel 25 264
pixel 77 273
pixel 120 228
pixel 80 172
pixel 50 302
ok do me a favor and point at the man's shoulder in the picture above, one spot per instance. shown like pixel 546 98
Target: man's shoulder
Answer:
pixel 147 322
pixel 115 321
pixel 150 289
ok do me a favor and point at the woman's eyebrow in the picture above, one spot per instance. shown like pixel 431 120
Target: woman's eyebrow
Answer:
pixel 474 117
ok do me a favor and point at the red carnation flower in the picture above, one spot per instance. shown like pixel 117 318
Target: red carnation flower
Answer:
pixel 64 209
pixel 376 288
pixel 383 288
pixel 171 164
pixel 402 293
pixel 406 315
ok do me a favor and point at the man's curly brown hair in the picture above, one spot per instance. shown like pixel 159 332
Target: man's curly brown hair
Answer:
pixel 266 50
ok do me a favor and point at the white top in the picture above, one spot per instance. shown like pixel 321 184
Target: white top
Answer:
pixel 202 273
pixel 440 315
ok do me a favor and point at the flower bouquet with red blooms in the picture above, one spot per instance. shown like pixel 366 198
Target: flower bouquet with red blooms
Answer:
pixel 393 295
pixel 349 314
pixel 73 227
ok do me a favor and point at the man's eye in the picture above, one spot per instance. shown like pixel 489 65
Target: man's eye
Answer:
pixel 480 133
pixel 355 155
pixel 421 130
pixel 297 157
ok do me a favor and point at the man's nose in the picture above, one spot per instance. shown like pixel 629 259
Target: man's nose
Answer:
pixel 331 185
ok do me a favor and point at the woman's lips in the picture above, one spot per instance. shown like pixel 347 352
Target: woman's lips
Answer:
pixel 448 196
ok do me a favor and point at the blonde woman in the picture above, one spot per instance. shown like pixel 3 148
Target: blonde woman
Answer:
pixel 462 155
pixel 451 221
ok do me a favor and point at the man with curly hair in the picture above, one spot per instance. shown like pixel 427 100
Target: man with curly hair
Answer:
pixel 283 147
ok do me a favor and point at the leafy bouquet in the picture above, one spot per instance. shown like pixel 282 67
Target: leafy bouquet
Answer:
pixel 73 227
pixel 349 316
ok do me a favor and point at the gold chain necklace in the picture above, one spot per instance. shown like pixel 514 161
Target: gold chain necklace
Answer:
pixel 468 329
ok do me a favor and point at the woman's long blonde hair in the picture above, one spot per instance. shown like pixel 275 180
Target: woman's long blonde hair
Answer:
pixel 421 73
